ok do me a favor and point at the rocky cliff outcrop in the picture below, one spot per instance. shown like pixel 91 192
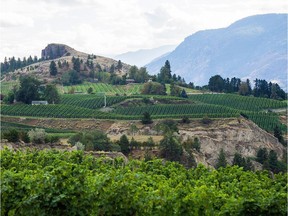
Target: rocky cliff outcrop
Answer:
pixel 233 135
pixel 53 51
pixel 238 135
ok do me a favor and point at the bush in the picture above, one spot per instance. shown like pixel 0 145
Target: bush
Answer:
pixel 51 139
pixel 24 137
pixel 185 120
pixel 146 100
pixel 80 146
pixel 134 144
pixel 206 120
pixel 37 136
pixel 153 88
pixel 170 124
pixel 190 144
pixel 93 141
pixel 90 90
pixel 9 99
pixel 146 119
pixel 12 135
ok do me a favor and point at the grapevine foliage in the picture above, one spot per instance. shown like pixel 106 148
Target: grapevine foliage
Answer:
pixel 70 183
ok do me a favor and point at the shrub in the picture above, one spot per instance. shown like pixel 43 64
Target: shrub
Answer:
pixel 12 135
pixel 79 146
pixel 170 124
pixel 146 119
pixel 190 144
pixel 185 120
pixel 51 139
pixel 206 120
pixel 93 141
pixel 90 90
pixel 24 136
pixel 37 136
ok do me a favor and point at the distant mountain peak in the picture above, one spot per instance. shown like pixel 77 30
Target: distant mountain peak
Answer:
pixel 144 56
pixel 253 47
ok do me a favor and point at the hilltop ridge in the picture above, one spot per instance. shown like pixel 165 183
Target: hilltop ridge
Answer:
pixel 54 50
pixel 61 53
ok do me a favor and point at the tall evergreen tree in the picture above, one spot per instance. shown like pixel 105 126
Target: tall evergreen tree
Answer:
pixel 124 144
pixel 238 160
pixel 278 134
pixel 119 65
pixel 221 161
pixel 273 161
pixel 76 64
pixel 165 73
pixel 170 148
pixel 249 87
pixel 184 94
pixel 248 166
pixel 262 155
pixel 112 68
pixel 53 69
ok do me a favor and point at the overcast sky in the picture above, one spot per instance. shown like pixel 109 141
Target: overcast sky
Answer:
pixel 110 27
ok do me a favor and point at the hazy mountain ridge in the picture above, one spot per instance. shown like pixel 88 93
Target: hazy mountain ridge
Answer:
pixel 144 56
pixel 254 47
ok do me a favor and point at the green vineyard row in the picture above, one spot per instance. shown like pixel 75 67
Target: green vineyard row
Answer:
pixel 239 102
pixel 180 109
pixel 90 101
pixel 107 88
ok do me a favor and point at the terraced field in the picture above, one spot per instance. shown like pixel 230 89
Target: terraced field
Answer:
pixel 196 106
pixel 104 87
pixel 239 102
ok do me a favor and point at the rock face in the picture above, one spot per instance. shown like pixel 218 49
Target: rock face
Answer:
pixel 53 51
pixel 233 136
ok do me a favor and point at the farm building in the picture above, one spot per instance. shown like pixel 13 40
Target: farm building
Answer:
pixel 39 102
pixel 128 81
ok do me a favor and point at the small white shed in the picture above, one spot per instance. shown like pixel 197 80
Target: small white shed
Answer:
pixel 39 102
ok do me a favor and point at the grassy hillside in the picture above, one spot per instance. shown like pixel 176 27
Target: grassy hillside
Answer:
pixel 7 86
